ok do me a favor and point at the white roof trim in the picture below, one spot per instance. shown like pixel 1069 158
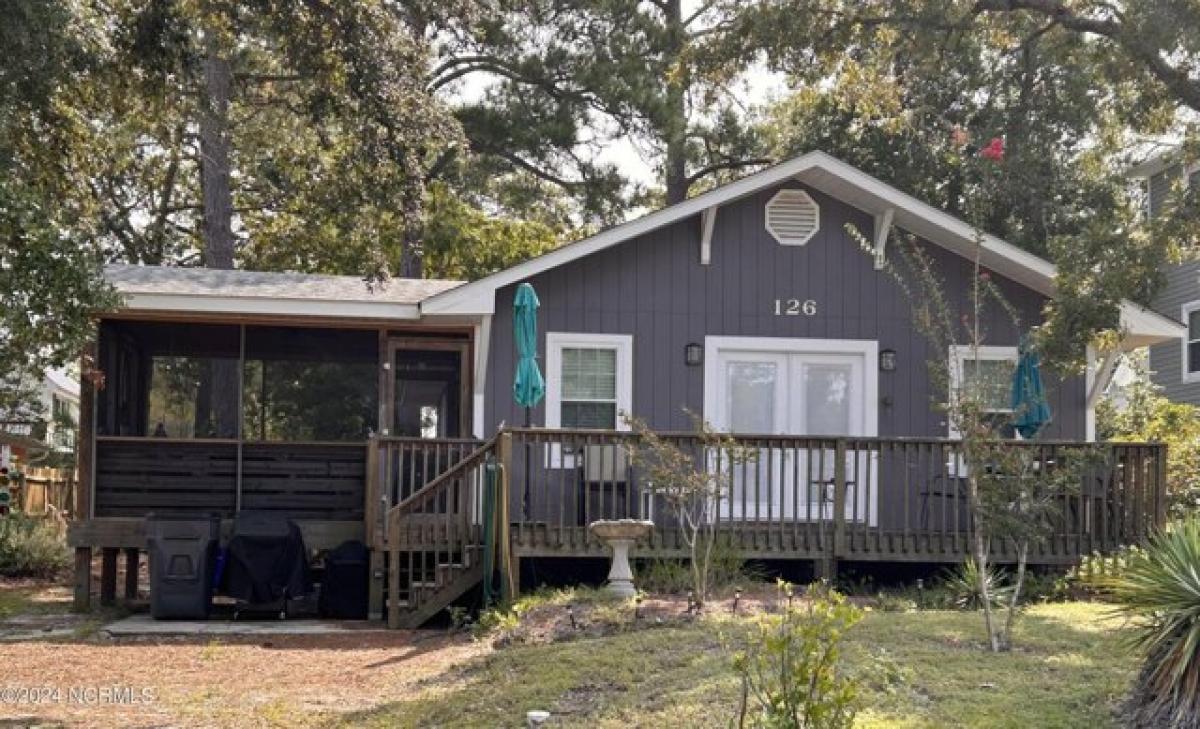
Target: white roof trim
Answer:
pixel 256 305
pixel 1155 163
pixel 837 179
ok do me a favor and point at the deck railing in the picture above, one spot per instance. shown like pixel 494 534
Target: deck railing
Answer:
pixel 435 535
pixel 399 467
pixel 812 497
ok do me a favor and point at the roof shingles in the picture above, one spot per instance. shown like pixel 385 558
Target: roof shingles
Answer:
pixel 133 280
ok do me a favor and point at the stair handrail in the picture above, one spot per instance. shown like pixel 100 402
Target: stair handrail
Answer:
pixel 468 462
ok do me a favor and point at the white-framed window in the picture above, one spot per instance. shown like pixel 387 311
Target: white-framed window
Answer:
pixel 589 380
pixel 985 371
pixel 1189 364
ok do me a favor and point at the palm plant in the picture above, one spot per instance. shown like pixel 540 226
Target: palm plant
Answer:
pixel 1160 591
pixel 962 583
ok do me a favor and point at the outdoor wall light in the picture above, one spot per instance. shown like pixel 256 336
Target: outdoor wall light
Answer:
pixel 693 354
pixel 887 360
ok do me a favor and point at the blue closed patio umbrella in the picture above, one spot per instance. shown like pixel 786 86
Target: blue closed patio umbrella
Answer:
pixel 1031 412
pixel 529 387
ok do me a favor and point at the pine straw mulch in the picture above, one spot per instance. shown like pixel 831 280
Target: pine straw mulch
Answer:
pixel 228 681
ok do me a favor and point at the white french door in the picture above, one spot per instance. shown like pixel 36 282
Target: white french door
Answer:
pixel 799 387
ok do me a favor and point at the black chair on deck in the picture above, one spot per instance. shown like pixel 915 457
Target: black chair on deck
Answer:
pixel 605 474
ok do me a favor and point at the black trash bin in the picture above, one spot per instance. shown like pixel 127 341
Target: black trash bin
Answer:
pixel 346 583
pixel 183 552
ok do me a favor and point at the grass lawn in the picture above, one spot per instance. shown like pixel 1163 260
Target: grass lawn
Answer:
pixel 926 669
pixel 32 597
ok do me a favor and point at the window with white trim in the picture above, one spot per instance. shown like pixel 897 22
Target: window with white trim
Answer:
pixel 1190 363
pixel 589 380
pixel 986 373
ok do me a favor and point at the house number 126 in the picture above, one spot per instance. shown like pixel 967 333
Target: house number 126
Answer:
pixel 795 307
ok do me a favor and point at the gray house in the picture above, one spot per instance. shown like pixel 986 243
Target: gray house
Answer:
pixel 376 414
pixel 1175 364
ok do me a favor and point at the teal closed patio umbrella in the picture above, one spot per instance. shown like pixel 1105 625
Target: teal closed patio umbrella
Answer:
pixel 1031 412
pixel 529 387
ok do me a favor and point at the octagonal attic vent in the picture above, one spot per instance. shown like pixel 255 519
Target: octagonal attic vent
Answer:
pixel 792 217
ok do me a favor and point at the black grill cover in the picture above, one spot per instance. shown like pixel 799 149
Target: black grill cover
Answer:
pixel 266 559
pixel 345 587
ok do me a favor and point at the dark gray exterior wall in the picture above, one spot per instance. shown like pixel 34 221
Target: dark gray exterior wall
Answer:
pixel 1182 286
pixel 655 288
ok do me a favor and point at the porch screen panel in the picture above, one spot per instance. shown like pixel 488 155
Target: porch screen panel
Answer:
pixel 169 380
pixel 303 384
pixel 167 418
pixel 310 399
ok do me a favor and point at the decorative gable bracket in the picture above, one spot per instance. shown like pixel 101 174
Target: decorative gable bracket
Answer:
pixel 708 218
pixel 883 228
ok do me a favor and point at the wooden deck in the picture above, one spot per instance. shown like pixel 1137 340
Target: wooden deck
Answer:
pixel 862 499
pixel 825 500
pixel 434 512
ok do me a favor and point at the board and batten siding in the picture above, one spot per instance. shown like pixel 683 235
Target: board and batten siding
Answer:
pixel 1181 286
pixel 654 288
pixel 1159 187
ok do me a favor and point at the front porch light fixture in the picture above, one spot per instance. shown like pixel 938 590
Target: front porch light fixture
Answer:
pixel 693 354
pixel 887 360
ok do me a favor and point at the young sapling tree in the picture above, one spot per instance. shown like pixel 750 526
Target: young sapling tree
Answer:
pixel 693 476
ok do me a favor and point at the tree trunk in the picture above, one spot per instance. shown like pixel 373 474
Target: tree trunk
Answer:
pixel 981 561
pixel 410 254
pixel 217 406
pixel 1022 561
pixel 215 157
pixel 675 125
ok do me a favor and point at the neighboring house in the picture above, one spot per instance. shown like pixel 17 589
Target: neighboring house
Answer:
pixel 1174 364
pixel 372 413
pixel 58 396
pixel 60 403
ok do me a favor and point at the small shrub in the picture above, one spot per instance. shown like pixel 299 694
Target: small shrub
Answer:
pixel 1096 573
pixel 31 547
pixel 856 585
pixel 1046 587
pixel 791 668
pixel 460 617
pixel 894 602
pixel 962 582
pixel 496 620
pixel 726 569
pixel 1160 590
pixel 664 576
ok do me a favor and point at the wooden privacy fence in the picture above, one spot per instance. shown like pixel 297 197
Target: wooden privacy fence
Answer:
pixel 45 490
pixel 892 499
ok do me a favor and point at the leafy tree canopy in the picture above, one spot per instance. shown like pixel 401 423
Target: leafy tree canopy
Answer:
pixel 49 255
pixel 904 88
pixel 294 134
pixel 564 80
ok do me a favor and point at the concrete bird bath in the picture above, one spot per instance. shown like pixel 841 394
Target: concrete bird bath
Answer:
pixel 620 534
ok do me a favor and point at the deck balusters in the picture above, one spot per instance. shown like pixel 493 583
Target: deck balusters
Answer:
pixel 907 497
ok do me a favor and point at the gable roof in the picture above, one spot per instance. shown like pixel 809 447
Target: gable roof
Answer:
pixel 162 288
pixel 1155 163
pixel 838 180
